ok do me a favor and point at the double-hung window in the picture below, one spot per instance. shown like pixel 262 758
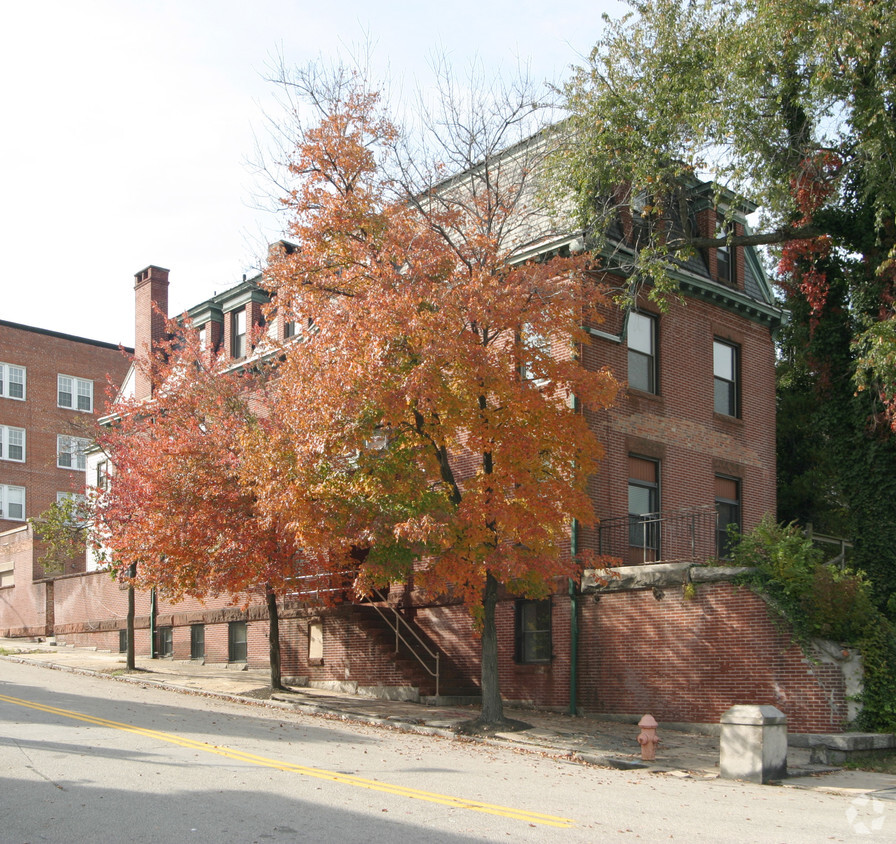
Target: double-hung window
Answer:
pixel 642 352
pixel 725 257
pixel 238 333
pixel 12 381
pixel 727 512
pixel 70 452
pixel 725 382
pixel 74 393
pixel 12 444
pixel 12 503
pixel 533 631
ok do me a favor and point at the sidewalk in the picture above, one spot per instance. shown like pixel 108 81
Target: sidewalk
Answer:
pixel 585 739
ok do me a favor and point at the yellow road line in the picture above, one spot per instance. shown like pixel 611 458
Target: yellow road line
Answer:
pixel 318 773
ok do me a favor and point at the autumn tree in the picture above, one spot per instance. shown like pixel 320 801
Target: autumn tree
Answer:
pixel 431 412
pixel 178 515
pixel 790 105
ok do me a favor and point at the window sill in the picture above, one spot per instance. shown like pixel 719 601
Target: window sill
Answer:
pixel 316 662
pixel 532 667
pixel 727 421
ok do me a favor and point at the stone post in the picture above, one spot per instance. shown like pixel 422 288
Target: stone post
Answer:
pixel 754 744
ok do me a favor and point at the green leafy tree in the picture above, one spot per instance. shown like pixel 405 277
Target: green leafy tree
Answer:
pixel 788 105
pixel 62 528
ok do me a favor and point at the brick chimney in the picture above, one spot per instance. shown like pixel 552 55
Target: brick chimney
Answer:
pixel 151 311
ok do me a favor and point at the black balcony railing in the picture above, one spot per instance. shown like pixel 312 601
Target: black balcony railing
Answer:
pixel 686 535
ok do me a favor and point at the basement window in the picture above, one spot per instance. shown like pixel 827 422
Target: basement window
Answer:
pixel 236 641
pixel 533 631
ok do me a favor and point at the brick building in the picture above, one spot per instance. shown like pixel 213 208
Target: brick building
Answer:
pixel 690 448
pixel 52 386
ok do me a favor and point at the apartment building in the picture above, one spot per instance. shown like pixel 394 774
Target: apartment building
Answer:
pixel 52 387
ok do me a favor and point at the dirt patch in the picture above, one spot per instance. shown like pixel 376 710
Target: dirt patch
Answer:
pixel 476 727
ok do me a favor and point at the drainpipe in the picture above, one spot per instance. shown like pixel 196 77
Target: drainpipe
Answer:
pixel 573 624
pixel 152 623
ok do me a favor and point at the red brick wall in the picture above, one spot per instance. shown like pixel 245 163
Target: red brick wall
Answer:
pixel 22 605
pixel 679 426
pixel 690 660
pixel 44 356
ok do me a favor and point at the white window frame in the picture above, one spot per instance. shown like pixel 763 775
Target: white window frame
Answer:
pixel 6 372
pixel 5 490
pixel 74 448
pixel 6 433
pixel 78 388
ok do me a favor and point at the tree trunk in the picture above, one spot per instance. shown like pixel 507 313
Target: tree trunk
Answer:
pixel 131 665
pixel 274 638
pixel 492 705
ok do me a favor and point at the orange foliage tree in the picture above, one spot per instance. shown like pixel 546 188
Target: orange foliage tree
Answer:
pixel 177 514
pixel 430 416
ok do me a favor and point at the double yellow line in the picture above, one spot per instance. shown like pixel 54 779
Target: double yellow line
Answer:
pixel 317 773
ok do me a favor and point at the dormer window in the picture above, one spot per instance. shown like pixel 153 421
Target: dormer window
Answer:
pixel 238 333
pixel 725 258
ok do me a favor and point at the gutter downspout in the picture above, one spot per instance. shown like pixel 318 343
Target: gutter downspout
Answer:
pixel 573 625
pixel 152 623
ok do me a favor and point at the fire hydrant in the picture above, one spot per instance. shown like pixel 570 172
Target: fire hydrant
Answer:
pixel 648 738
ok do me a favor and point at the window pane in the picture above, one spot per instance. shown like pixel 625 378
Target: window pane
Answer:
pixel 534 631
pixel 237 641
pixel 16 382
pixel 16 499
pixel 640 500
pixel 197 641
pixel 723 361
pixel 63 452
pixel 85 395
pixel 724 397
pixel 640 333
pixel 65 398
pixel 640 372
pixel 16 444
pixel 238 327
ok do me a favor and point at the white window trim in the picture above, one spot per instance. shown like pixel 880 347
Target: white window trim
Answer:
pixel 4 444
pixel 75 448
pixel 5 489
pixel 5 370
pixel 75 392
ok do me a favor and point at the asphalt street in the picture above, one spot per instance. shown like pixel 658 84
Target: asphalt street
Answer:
pixel 86 759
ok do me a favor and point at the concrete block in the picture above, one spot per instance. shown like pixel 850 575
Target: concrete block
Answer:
pixel 753 744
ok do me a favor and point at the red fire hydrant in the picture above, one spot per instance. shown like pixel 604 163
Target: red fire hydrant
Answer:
pixel 648 738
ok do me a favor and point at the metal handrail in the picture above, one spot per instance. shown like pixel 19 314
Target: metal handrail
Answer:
pixel 674 535
pixel 399 620
pixel 839 541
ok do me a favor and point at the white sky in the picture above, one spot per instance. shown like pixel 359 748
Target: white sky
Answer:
pixel 128 125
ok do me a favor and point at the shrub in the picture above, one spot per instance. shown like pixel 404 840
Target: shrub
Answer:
pixel 821 600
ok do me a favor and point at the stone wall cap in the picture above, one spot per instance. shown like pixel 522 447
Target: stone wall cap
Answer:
pixel 749 714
